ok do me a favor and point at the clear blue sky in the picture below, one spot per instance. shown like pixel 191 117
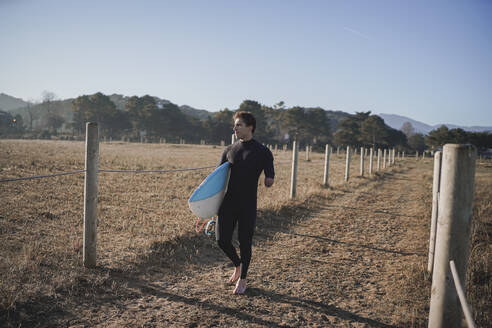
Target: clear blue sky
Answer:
pixel 428 60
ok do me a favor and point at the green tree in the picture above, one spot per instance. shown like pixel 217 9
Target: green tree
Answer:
pixel 318 125
pixel 96 108
pixel 51 112
pixel 219 126
pixel 438 137
pixel 417 142
pixel 273 116
pixel 142 112
pixel 396 138
pixel 261 131
pixel 348 132
pixel 481 140
pixel 10 125
pixel 408 129
pixel 171 122
pixel 293 120
pixel 373 131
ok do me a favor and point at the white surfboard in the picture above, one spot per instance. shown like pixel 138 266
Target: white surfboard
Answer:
pixel 206 199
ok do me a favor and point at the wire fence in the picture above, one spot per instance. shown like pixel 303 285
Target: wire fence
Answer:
pixel 106 171
pixel 42 176
pixel 116 171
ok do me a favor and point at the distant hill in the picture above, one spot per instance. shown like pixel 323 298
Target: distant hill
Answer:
pixel 8 103
pixel 474 128
pixel 19 106
pixel 201 114
pixel 396 122
pixel 62 106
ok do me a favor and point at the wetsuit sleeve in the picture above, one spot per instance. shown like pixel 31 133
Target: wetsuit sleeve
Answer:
pixel 223 159
pixel 268 168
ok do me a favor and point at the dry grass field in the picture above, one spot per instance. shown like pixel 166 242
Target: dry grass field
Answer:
pixel 353 254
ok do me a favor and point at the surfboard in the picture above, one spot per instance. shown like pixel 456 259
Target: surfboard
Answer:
pixel 207 197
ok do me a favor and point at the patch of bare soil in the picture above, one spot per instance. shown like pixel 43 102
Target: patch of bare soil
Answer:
pixel 350 256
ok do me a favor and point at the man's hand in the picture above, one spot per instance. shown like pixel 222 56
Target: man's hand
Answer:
pixel 268 182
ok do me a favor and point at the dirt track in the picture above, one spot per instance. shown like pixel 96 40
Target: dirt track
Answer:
pixel 352 262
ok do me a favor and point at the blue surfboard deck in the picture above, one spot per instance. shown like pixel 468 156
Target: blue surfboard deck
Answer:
pixel 207 198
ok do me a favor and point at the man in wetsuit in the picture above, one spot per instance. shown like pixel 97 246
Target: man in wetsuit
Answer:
pixel 248 158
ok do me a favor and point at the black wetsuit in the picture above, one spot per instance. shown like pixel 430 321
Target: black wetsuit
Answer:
pixel 247 160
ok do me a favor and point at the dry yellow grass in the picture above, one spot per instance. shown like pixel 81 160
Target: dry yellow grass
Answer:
pixel 144 220
pixel 42 219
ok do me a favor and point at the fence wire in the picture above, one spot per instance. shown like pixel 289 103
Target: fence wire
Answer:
pixel 105 171
pixel 42 176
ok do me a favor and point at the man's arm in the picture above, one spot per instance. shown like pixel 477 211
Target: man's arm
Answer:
pixel 223 159
pixel 268 169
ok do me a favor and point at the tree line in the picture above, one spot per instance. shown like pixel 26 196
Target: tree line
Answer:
pixel 153 119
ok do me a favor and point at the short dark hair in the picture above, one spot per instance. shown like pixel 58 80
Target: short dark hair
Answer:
pixel 247 117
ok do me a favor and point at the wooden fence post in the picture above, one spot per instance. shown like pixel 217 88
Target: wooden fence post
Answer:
pixel 362 161
pixel 417 155
pixel 453 232
pixel 307 153
pixel 435 198
pixel 379 159
pixel 371 155
pixel 384 158
pixel 293 177
pixel 90 194
pixel 327 165
pixel 347 165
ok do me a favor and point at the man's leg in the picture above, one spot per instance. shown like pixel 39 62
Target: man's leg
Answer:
pixel 246 229
pixel 223 233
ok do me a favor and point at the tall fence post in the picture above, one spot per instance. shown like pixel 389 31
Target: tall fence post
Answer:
pixel 307 153
pixel 90 194
pixel 347 165
pixel 371 155
pixel 417 155
pixel 453 232
pixel 384 159
pixel 435 199
pixel 293 177
pixel 327 165
pixel 362 154
pixel 379 159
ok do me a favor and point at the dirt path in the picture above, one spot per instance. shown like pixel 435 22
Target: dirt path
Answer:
pixel 347 264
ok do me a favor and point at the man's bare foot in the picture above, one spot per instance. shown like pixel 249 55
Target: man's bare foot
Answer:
pixel 240 287
pixel 235 275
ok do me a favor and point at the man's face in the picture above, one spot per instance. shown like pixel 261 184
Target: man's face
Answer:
pixel 241 130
